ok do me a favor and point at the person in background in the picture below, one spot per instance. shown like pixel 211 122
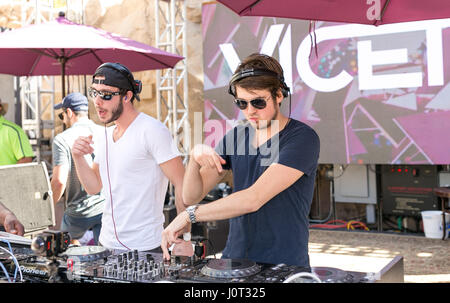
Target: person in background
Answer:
pixel 15 147
pixel 83 211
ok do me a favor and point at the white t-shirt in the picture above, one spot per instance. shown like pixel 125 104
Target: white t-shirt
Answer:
pixel 133 183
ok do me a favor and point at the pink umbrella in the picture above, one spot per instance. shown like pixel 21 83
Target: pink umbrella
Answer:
pixel 374 12
pixel 62 47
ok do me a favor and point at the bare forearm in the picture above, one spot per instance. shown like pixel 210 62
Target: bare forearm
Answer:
pixel 192 184
pixel 179 202
pixel 57 189
pixel 236 204
pixel 87 176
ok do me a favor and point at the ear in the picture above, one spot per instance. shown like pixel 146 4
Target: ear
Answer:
pixel 279 97
pixel 128 96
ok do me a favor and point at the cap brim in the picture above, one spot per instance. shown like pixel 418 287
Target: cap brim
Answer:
pixel 58 106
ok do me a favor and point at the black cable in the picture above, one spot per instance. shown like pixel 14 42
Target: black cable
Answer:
pixel 387 218
pixel 290 101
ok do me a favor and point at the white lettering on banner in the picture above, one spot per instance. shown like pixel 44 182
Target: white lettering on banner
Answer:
pixel 272 38
pixel 435 57
pixel 267 47
pixel 286 57
pixel 435 67
pixel 366 57
pixel 231 57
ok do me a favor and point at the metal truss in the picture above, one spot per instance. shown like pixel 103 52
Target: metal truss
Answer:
pixel 172 84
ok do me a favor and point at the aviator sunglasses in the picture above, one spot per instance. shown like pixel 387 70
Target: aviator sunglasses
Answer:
pixel 258 103
pixel 107 96
pixel 61 115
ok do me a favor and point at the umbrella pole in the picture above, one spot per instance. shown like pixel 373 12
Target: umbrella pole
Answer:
pixel 63 76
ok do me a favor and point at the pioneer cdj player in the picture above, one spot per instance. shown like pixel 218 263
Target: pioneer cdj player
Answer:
pixel 95 264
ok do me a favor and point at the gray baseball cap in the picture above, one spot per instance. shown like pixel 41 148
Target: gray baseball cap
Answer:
pixel 75 101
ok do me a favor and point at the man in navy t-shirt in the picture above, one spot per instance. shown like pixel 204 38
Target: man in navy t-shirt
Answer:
pixel 273 159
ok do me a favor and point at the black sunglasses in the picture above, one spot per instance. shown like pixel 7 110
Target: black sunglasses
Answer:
pixel 258 103
pixel 61 115
pixel 107 96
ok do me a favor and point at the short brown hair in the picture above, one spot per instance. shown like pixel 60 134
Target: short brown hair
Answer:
pixel 261 62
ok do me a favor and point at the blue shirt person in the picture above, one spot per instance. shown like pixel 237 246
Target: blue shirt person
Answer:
pixel 273 159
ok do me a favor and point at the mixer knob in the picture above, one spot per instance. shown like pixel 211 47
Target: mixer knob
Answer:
pixel 149 257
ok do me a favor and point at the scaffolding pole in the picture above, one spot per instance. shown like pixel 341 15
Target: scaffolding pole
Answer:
pixel 172 84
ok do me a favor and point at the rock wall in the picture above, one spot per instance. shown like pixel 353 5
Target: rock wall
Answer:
pixel 134 19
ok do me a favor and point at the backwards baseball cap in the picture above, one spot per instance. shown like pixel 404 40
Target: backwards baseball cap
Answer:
pixel 75 101
pixel 117 75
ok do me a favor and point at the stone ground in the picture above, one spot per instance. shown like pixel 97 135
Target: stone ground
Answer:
pixel 425 260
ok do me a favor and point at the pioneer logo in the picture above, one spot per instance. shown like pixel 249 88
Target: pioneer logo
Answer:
pixel 33 271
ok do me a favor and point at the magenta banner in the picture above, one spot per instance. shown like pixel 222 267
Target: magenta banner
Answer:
pixel 374 95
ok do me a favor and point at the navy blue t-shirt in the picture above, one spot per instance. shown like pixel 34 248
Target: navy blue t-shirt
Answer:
pixel 279 231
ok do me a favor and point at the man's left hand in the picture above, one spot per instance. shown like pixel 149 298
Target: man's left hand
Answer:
pixel 12 225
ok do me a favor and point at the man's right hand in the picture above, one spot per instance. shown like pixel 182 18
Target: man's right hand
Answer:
pixel 207 157
pixel 82 146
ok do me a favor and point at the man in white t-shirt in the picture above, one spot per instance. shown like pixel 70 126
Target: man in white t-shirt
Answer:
pixel 134 161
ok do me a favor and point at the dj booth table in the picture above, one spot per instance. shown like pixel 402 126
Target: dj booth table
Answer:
pixel 383 270
pixel 32 203
pixel 96 264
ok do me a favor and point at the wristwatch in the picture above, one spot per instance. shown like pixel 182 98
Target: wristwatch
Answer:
pixel 191 212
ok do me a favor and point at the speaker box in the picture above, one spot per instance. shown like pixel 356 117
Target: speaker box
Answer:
pixel 25 189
